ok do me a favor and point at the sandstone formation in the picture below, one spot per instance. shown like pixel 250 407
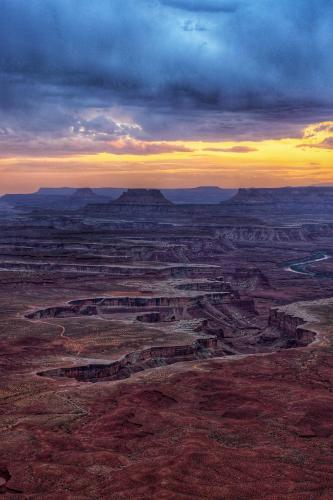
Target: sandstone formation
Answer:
pixel 138 361
pixel 302 201
pixel 142 197
pixel 292 324
pixel 165 351
pixel 78 199
pixel 199 195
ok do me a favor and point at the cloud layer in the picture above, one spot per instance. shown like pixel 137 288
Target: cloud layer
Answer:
pixel 89 72
pixel 233 149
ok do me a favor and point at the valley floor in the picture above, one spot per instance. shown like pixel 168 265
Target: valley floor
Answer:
pixel 179 363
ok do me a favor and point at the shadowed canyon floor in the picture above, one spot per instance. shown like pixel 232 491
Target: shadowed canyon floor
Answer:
pixel 172 358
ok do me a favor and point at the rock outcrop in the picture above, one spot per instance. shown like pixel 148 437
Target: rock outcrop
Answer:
pixel 84 193
pixel 138 361
pixel 282 201
pixel 111 305
pixel 292 321
pixel 80 198
pixel 142 197
pixel 115 271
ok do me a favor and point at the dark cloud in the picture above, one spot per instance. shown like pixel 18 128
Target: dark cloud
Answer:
pixel 62 135
pixel 180 69
pixel 134 147
pixel 314 137
pixel 325 144
pixel 202 5
pixel 190 25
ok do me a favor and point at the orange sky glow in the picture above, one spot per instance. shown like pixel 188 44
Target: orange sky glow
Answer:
pixel 307 160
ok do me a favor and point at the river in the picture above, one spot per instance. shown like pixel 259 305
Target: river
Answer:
pixel 300 266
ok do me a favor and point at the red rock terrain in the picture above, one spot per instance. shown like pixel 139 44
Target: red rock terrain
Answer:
pixel 188 362
pixel 210 429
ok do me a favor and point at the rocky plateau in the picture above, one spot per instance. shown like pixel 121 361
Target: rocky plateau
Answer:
pixel 154 349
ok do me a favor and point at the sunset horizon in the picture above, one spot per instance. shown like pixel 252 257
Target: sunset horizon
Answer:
pixel 168 93
pixel 303 160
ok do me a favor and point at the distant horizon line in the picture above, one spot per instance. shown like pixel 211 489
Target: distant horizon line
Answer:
pixel 328 185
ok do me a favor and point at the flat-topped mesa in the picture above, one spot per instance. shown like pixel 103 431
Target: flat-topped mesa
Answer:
pixel 283 195
pixel 142 197
pixel 84 196
pixel 59 202
pixel 287 198
pixel 84 193
pixel 303 202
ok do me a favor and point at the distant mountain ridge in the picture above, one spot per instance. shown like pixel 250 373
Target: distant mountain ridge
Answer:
pixel 200 194
pixel 72 198
pixel 282 195
pixel 72 201
pixel 279 201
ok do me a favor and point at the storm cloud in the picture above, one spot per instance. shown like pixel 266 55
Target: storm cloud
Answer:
pixel 163 69
pixel 203 6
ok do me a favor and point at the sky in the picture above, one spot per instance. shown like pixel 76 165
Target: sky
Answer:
pixel 165 93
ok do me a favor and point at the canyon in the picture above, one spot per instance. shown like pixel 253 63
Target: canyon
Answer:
pixel 172 350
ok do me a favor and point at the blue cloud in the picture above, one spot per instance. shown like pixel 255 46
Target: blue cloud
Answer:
pixel 166 61
pixel 202 5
